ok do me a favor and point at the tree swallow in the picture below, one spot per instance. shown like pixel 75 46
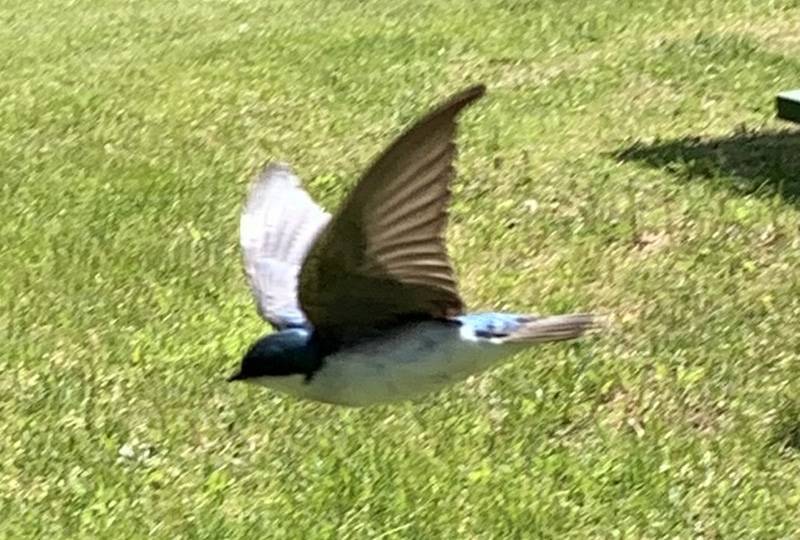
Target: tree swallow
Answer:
pixel 364 303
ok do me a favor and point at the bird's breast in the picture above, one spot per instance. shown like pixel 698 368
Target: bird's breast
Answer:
pixel 418 359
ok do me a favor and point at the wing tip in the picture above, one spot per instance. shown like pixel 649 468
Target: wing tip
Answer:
pixel 475 91
pixel 272 169
pixel 465 97
pixel 267 175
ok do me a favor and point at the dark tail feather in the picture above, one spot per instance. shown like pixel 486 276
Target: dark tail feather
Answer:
pixel 555 328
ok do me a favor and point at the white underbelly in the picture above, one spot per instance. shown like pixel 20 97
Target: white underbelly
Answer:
pixel 421 359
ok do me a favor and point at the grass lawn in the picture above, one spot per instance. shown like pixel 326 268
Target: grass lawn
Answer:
pixel 626 160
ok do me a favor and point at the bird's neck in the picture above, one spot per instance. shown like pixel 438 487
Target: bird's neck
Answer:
pixel 289 352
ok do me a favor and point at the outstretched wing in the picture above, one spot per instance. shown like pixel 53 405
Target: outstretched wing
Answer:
pixel 279 223
pixel 383 258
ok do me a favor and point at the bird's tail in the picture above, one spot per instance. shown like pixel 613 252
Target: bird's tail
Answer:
pixel 554 328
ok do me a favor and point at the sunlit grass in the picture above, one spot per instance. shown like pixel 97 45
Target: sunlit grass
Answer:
pixel 624 161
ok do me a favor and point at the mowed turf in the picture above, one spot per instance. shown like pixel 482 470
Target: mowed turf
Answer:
pixel 625 161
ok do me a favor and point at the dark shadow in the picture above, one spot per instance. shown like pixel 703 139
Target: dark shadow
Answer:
pixel 763 163
pixel 786 429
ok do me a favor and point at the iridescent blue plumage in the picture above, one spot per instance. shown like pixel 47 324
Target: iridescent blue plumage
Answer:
pixel 494 325
pixel 286 352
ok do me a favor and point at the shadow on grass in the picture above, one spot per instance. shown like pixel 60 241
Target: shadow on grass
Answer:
pixel 764 163
pixel 786 431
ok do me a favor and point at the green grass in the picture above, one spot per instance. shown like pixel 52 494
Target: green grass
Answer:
pixel 625 161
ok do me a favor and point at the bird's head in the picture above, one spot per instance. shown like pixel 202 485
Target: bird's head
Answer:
pixel 281 354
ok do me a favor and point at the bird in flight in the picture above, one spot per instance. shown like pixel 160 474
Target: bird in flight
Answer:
pixel 364 303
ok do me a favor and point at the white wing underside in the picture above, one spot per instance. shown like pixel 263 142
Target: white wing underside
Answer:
pixel 278 225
